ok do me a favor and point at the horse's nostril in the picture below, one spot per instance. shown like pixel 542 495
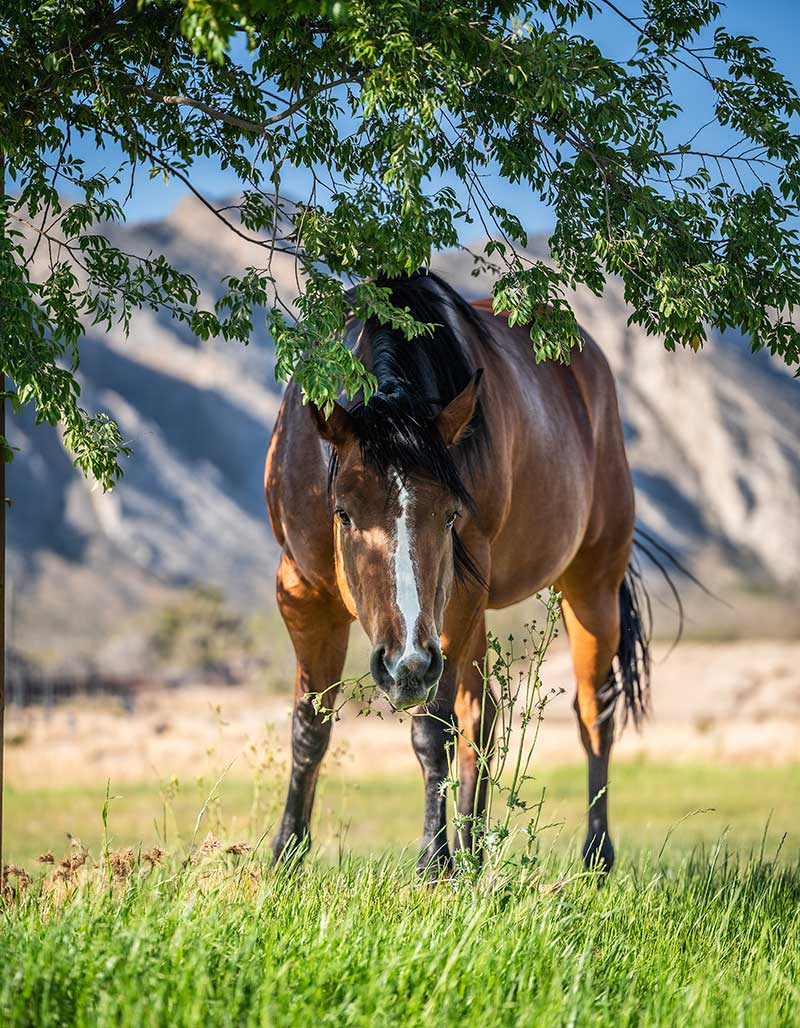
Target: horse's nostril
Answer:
pixel 407 680
pixel 378 668
pixel 435 663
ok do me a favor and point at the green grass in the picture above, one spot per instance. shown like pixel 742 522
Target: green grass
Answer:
pixel 702 930
pixel 695 941
pixel 373 816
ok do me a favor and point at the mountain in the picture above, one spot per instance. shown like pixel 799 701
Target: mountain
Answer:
pixel 713 439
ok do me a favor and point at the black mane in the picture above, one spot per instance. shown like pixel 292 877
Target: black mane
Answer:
pixel 416 379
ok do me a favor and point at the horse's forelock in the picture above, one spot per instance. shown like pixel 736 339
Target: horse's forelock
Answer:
pixel 395 438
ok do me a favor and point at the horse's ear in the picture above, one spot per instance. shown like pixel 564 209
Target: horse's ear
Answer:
pixel 337 427
pixel 453 421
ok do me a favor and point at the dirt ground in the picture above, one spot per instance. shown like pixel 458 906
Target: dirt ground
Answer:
pixel 731 702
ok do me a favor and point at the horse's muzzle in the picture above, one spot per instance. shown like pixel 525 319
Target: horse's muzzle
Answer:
pixel 409 681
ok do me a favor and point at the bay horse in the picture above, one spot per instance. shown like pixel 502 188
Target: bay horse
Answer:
pixel 472 478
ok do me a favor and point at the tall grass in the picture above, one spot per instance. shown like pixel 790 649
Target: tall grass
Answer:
pixel 214 936
pixel 222 940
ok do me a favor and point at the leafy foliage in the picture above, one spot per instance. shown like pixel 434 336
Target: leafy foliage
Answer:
pixel 397 109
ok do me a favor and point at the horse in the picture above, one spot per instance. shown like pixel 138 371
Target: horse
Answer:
pixel 471 479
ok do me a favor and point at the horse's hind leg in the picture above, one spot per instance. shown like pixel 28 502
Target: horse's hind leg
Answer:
pixel 593 626
pixel 476 711
pixel 319 628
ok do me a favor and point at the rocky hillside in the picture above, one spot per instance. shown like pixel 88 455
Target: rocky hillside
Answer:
pixel 713 437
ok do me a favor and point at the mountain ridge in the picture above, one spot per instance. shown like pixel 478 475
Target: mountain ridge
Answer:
pixel 713 439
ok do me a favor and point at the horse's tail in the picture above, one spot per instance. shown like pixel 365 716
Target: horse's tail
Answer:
pixel 633 652
pixel 636 623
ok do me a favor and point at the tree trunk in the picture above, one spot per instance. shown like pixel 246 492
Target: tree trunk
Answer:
pixel 2 570
pixel 2 599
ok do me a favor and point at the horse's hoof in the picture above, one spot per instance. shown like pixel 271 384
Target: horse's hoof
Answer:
pixel 437 867
pixel 598 854
pixel 289 849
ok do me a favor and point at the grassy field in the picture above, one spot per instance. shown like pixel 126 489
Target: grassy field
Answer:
pixel 372 816
pixel 698 925
pixel 701 940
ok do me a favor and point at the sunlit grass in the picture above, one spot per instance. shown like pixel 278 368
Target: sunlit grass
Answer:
pixel 221 940
pixel 373 816
pixel 698 924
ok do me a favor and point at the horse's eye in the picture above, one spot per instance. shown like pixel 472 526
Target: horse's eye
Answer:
pixel 343 516
pixel 452 519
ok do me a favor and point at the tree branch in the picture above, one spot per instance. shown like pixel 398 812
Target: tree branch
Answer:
pixel 257 127
pixel 703 74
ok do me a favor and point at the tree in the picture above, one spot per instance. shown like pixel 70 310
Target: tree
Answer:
pixel 397 108
pixel 383 100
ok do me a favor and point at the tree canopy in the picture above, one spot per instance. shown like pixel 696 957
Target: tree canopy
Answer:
pixel 397 109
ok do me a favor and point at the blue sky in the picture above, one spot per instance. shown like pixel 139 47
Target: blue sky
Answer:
pixel 776 23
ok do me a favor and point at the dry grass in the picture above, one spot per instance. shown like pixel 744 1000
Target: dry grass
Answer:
pixel 730 703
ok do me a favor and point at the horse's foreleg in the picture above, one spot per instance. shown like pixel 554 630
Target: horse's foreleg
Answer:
pixel 319 628
pixel 476 710
pixel 433 734
pixel 593 628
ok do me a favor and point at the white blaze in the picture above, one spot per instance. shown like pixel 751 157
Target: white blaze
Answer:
pixel 406 593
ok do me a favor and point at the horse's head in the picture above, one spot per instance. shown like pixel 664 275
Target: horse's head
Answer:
pixel 394 545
